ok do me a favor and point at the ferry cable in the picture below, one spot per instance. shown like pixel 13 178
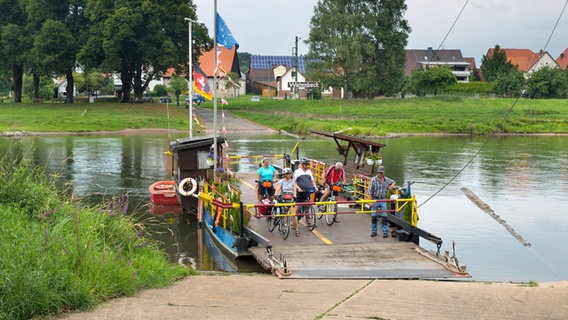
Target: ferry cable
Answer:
pixel 500 124
pixel 448 33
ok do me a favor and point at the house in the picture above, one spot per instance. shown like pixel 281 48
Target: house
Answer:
pixel 562 59
pixel 526 60
pixel 228 61
pixel 421 59
pixel 61 89
pixel 278 76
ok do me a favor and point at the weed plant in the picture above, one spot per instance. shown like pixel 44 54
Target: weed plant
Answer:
pixel 58 254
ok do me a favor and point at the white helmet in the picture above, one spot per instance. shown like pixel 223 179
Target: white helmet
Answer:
pixel 286 170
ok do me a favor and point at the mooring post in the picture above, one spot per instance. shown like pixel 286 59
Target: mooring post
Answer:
pixel 242 222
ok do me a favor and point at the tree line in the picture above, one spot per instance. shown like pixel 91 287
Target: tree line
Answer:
pixel 137 39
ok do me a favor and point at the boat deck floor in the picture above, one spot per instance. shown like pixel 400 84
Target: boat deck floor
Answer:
pixel 344 250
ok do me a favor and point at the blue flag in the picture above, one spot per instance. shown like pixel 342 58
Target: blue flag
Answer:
pixel 224 35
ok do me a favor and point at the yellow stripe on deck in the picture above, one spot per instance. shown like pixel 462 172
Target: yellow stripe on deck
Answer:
pixel 317 234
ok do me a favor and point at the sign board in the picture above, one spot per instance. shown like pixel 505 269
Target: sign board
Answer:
pixel 304 85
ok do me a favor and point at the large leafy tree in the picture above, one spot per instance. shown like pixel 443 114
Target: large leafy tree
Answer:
pixel 509 83
pixel 359 45
pixel 493 65
pixel 58 29
pixel 547 83
pixel 12 42
pixel 140 39
pixel 432 79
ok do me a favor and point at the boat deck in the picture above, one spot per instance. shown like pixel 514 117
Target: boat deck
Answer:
pixel 344 250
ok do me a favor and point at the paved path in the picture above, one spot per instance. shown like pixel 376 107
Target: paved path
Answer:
pixel 231 123
pixel 241 296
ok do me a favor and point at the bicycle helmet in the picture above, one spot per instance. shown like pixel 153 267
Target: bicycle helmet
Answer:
pixel 286 170
pixel 304 160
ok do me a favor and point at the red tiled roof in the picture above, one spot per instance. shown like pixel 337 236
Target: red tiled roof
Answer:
pixel 562 60
pixel 523 58
pixel 206 60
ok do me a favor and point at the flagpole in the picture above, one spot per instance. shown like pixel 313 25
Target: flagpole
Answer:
pixel 215 89
pixel 189 84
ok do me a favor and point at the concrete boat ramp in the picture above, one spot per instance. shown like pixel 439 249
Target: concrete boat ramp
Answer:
pixel 344 250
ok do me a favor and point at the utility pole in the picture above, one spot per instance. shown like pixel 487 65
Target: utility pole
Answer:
pixel 295 52
pixel 190 79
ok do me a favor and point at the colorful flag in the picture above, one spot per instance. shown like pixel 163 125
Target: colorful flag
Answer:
pixel 224 35
pixel 200 84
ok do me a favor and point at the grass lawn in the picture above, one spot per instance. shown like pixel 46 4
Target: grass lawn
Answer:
pixel 375 117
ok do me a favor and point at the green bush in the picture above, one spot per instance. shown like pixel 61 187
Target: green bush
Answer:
pixel 57 254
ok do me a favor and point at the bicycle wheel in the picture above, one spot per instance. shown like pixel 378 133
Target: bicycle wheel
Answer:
pixel 330 218
pixel 284 227
pixel 271 223
pixel 310 217
pixel 320 210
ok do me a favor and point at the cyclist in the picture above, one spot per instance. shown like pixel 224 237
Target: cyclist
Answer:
pixel 332 175
pixel 265 177
pixel 286 186
pixel 303 180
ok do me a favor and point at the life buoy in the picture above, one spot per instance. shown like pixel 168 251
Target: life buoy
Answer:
pixel 182 187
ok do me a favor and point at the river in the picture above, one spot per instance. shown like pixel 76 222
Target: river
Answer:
pixel 523 179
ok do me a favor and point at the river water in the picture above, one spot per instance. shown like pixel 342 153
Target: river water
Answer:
pixel 523 179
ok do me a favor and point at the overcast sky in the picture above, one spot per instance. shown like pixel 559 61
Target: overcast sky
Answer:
pixel 269 27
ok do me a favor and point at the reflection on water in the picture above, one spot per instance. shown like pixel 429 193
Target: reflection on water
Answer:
pixel 523 179
pixel 186 243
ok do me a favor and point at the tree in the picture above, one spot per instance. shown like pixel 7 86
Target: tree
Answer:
pixel 432 79
pixel 509 83
pixel 231 84
pixel 12 44
pixel 548 83
pixel 52 44
pixel 177 84
pixel 141 39
pixel 496 63
pixel 244 61
pixel 359 45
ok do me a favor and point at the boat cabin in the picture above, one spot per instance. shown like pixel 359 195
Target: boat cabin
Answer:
pixel 194 158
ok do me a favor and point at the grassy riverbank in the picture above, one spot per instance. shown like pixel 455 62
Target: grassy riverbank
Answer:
pixel 58 254
pixel 373 117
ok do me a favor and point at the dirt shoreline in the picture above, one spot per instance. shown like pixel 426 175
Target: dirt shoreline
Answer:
pixel 150 131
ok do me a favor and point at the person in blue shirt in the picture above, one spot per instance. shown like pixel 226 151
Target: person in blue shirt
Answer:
pixel 378 188
pixel 265 178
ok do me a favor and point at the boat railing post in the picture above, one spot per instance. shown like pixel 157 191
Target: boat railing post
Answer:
pixel 242 222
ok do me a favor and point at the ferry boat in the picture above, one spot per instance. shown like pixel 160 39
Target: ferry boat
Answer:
pixel 206 187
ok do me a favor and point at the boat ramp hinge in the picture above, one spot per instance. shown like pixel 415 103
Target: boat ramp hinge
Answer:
pixel 279 267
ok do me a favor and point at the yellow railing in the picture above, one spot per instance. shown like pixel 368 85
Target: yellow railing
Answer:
pixel 255 159
pixel 318 168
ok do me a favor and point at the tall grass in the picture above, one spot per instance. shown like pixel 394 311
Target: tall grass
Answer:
pixel 57 254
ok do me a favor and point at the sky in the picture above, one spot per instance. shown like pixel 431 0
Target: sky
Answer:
pixel 269 27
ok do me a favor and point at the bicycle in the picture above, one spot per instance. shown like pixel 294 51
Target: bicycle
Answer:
pixel 311 212
pixel 331 216
pixel 319 194
pixel 281 218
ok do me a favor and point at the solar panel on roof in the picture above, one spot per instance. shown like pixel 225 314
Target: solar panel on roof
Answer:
pixel 267 62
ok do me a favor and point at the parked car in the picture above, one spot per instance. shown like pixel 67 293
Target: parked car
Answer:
pixel 255 99
pixel 197 100
pixel 165 99
pixel 147 98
